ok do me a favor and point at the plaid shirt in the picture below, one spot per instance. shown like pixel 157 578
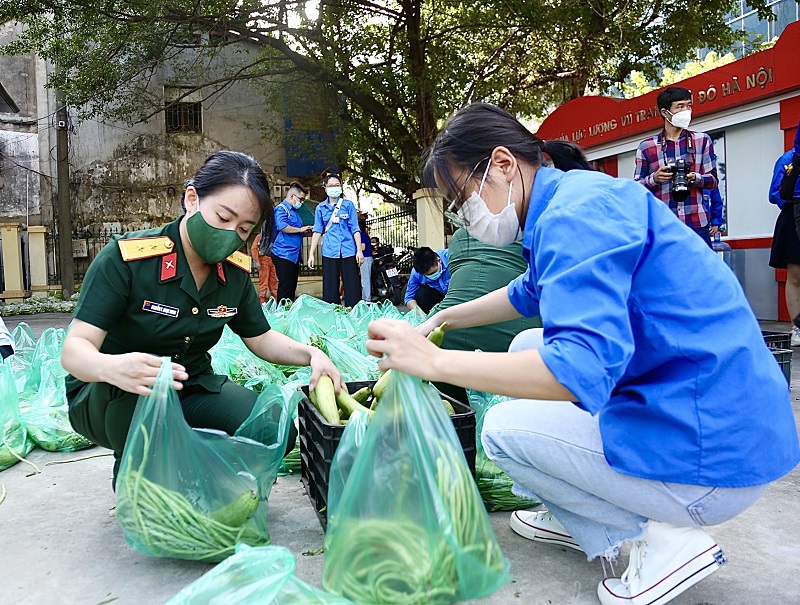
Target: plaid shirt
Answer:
pixel 697 149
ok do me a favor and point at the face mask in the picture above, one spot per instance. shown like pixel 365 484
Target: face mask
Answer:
pixel 295 203
pixel 334 192
pixel 435 276
pixel 681 119
pixel 493 229
pixel 212 244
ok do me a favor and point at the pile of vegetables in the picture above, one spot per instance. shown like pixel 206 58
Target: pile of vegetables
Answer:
pixel 171 526
pixel 409 525
pixel 336 408
pixel 400 562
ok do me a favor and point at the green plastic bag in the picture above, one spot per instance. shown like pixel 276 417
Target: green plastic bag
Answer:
pixel 46 352
pixel 230 357
pixel 410 526
pixel 45 415
pixel 494 485
pixel 15 443
pixel 345 456
pixel 194 493
pixel 354 365
pixel 262 575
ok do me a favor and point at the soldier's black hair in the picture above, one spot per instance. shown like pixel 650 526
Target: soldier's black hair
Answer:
pixel 225 168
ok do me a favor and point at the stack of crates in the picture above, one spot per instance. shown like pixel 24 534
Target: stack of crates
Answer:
pixel 780 345
pixel 319 440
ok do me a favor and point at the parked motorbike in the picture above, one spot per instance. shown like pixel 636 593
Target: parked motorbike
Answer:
pixel 386 280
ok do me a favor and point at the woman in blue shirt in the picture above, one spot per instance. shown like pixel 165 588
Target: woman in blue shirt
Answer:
pixel 636 421
pixel 287 248
pixel 336 218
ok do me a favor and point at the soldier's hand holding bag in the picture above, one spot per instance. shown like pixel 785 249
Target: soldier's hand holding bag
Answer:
pixel 192 493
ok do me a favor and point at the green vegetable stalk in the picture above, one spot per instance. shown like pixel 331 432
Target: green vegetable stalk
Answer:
pixel 436 336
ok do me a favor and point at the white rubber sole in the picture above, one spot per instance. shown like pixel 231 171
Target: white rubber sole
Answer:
pixel 669 587
pixel 540 534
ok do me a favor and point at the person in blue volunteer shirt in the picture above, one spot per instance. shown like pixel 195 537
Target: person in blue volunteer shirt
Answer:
pixel 430 277
pixel 288 244
pixel 784 192
pixel 712 202
pixel 336 222
pixel 633 423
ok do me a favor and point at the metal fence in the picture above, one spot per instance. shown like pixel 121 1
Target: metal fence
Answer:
pixel 397 229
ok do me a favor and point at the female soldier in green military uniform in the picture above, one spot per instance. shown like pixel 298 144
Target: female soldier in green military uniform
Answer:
pixel 170 291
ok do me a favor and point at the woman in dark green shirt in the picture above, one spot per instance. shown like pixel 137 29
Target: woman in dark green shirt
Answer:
pixel 170 291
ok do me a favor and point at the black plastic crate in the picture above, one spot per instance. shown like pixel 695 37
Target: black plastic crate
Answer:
pixel 319 440
pixel 777 340
pixel 784 359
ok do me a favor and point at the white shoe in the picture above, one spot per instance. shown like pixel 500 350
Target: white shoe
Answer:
pixel 666 562
pixel 795 336
pixel 542 526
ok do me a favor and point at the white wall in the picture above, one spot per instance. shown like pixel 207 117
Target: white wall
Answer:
pixel 626 164
pixel 751 149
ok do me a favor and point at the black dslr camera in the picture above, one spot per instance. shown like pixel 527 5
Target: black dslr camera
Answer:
pixel 680 180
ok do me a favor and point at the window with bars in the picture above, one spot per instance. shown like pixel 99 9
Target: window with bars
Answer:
pixel 182 112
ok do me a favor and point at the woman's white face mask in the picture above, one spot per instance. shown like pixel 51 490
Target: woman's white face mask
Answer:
pixel 500 229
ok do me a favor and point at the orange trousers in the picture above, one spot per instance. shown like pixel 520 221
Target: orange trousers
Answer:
pixel 267 278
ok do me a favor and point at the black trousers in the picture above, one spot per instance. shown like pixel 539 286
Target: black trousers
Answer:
pixel 348 269
pixel 102 413
pixel 427 297
pixel 288 274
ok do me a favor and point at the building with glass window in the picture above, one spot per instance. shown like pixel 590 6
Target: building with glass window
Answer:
pixel 746 19
pixel 750 108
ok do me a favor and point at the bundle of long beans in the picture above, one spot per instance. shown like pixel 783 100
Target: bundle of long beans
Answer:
pixel 168 525
pixel 401 562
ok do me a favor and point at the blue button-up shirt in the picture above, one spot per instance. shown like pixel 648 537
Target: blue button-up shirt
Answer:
pixel 338 240
pixel 287 245
pixel 417 279
pixel 648 329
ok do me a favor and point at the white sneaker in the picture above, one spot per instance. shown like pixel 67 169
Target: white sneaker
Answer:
pixel 666 562
pixel 542 526
pixel 795 336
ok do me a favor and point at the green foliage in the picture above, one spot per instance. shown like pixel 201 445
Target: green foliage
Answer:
pixel 382 76
pixel 637 84
pixel 39 304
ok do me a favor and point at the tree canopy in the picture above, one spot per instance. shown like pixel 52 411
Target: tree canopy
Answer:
pixel 392 70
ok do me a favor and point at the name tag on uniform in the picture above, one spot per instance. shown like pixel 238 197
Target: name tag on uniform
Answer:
pixel 344 216
pixel 335 219
pixel 222 311
pixel 154 307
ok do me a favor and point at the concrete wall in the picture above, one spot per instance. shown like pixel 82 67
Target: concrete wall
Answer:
pixel 131 176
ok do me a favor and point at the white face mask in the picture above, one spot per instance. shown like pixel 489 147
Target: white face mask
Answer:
pixel 295 203
pixel 334 192
pixel 500 229
pixel 681 119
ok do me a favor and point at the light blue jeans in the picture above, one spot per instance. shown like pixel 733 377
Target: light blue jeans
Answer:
pixel 366 279
pixel 553 451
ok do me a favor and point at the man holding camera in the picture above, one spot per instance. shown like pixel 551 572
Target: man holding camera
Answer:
pixel 677 164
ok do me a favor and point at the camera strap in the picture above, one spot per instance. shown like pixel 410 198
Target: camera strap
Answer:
pixel 689 147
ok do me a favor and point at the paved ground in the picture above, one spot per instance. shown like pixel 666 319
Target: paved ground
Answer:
pixel 58 544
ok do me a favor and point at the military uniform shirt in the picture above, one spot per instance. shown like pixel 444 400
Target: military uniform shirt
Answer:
pixel 150 306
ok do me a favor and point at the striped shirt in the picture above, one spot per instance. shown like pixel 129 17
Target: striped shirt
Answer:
pixel 698 150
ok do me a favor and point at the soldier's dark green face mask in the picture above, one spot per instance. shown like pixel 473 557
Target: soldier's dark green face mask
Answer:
pixel 212 244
